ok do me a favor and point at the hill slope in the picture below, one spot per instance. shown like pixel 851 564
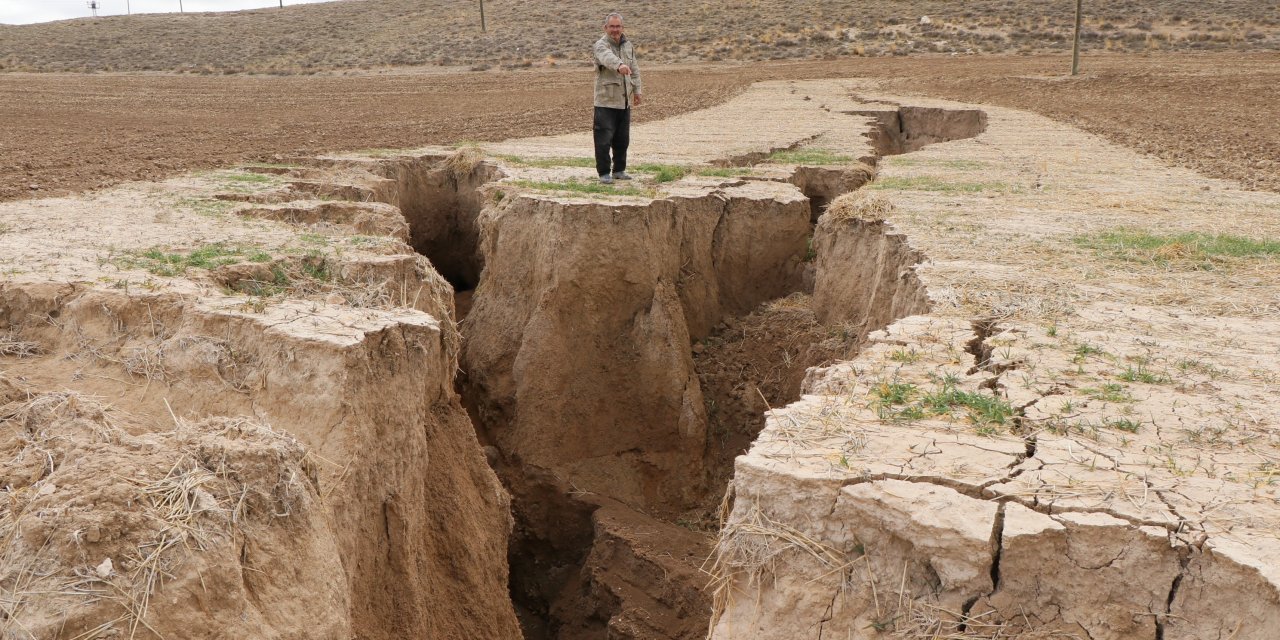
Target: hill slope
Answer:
pixel 355 34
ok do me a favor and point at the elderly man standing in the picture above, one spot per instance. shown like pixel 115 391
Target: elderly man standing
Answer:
pixel 618 88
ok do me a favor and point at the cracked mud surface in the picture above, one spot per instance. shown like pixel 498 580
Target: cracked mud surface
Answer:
pixel 1129 449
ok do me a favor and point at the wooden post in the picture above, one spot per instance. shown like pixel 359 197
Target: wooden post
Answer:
pixel 483 27
pixel 1075 49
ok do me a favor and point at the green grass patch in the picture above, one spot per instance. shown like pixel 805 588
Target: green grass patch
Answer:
pixel 894 393
pixel 579 186
pixel 929 183
pixel 724 172
pixel 247 178
pixel 907 161
pixel 813 156
pixel 1199 250
pixel 663 172
pixel 210 256
pixel 906 356
pixel 980 408
pixel 1109 392
pixel 1123 424
pixel 547 163
pixel 209 207
pixel 1191 365
pixel 987 411
pixel 1083 350
pixel 1140 373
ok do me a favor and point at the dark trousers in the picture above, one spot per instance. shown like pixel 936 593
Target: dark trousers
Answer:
pixel 612 130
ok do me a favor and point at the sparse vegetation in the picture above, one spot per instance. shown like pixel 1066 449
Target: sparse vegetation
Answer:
pixel 663 172
pixel 724 172
pixel 1140 373
pixel 211 207
pixel 1109 392
pixel 210 256
pixel 810 156
pixel 1194 250
pixel 579 186
pixel 987 412
pixel 928 183
pixel 547 163
pixel 388 33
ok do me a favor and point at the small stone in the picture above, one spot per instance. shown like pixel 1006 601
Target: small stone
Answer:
pixel 104 570
pixel 34 187
pixel 698 348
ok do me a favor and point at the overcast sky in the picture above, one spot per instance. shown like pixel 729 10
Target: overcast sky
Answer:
pixel 28 11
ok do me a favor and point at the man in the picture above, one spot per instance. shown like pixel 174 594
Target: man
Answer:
pixel 618 88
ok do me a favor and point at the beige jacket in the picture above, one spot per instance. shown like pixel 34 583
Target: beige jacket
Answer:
pixel 613 89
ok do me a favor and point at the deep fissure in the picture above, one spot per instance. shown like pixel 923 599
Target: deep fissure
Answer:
pixel 742 328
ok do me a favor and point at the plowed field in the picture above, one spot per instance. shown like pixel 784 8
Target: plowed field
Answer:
pixel 65 133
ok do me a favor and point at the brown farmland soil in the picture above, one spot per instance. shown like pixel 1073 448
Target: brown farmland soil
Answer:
pixel 65 133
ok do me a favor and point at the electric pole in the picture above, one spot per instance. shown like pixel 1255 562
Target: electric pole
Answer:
pixel 483 27
pixel 1075 49
pixel 180 7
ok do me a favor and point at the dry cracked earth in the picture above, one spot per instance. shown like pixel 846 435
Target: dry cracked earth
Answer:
pixel 843 361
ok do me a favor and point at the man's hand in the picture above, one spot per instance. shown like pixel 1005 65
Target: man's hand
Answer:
pixel 637 99
pixel 624 69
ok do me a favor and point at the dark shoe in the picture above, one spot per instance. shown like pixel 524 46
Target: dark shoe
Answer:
pixel 621 175
pixel 606 179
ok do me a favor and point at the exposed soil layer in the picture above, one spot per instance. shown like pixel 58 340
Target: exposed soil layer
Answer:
pixel 750 364
pixel 143 127
pixel 209 479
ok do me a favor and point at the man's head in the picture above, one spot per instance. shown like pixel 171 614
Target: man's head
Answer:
pixel 613 26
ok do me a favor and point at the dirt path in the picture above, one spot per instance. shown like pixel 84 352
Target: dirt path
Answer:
pixel 68 133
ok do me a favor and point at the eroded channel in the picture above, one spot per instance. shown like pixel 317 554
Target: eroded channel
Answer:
pixel 618 356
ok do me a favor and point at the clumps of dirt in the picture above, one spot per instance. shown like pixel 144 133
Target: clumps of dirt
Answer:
pixel 750 365
pixel 99 514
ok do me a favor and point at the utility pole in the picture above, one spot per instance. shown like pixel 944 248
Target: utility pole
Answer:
pixel 1075 49
pixel 180 7
pixel 128 11
pixel 483 27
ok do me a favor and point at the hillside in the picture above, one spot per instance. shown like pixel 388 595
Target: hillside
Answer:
pixel 365 34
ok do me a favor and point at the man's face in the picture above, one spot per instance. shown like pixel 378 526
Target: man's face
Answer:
pixel 614 29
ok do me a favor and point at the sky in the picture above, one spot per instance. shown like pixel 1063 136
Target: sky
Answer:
pixel 29 11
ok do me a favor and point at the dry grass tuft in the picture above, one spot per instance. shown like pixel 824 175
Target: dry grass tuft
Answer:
pixel 10 345
pixel 859 205
pixel 463 162
pixel 748 546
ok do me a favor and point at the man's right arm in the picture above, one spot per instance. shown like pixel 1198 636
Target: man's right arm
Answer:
pixel 605 56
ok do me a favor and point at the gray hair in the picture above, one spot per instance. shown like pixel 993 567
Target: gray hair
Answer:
pixel 611 16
